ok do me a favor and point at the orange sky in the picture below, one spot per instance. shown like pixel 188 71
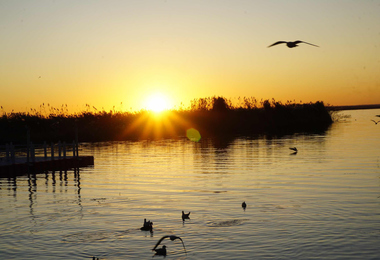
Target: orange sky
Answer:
pixel 118 53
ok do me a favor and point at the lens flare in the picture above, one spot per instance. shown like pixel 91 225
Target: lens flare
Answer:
pixel 193 135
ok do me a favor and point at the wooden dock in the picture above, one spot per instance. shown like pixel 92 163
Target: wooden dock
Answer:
pixel 22 167
pixel 24 160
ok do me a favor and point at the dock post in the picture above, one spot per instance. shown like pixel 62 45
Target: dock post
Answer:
pixel 27 144
pixel 59 149
pixel 52 151
pixel 32 152
pixel 7 152
pixel 45 150
pixel 64 150
pixel 76 140
pixel 13 159
pixel 73 148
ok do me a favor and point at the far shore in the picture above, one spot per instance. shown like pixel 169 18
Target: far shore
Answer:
pixel 355 107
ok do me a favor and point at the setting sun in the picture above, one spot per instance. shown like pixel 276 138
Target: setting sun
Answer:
pixel 157 103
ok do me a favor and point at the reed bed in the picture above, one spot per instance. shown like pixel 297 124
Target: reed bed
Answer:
pixel 212 117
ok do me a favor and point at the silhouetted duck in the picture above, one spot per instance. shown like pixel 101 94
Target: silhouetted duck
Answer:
pixel 148 225
pixel 160 251
pixel 172 238
pixel 291 44
pixel 244 205
pixel 185 216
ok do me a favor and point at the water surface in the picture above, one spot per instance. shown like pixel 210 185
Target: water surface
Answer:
pixel 321 203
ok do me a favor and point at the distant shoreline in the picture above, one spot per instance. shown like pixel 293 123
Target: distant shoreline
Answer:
pixel 356 107
pixel 210 117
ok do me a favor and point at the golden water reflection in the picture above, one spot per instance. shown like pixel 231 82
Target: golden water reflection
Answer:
pixel 320 203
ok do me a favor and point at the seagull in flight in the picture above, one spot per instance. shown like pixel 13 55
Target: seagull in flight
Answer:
pixel 294 149
pixel 291 44
pixel 375 121
pixel 172 238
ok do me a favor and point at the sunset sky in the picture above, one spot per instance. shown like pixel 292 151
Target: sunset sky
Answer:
pixel 120 53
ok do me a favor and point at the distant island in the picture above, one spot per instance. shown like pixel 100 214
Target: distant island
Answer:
pixel 211 117
pixel 354 107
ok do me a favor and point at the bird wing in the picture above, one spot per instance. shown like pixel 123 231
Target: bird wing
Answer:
pixel 296 42
pixel 293 148
pixel 279 42
pixel 159 241
pixel 182 243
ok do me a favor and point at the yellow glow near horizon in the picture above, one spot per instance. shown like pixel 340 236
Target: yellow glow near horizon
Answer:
pixel 157 103
pixel 102 57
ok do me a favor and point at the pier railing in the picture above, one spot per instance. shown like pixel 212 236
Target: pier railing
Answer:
pixel 12 154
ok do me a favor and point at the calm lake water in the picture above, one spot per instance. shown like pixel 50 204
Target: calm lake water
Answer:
pixel 321 203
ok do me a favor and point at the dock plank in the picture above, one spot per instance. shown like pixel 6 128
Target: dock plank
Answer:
pixel 41 164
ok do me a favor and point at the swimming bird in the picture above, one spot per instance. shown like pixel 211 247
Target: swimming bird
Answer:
pixel 148 225
pixel 160 251
pixel 172 238
pixel 294 149
pixel 185 216
pixel 291 44
pixel 375 121
pixel 244 205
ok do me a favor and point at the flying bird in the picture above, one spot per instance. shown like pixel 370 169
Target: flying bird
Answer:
pixel 160 251
pixel 185 216
pixel 293 148
pixel 172 238
pixel 375 121
pixel 291 44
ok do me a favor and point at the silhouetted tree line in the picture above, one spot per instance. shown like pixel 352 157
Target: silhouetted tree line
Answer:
pixel 212 117
pixel 217 116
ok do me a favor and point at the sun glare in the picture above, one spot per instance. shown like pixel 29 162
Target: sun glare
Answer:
pixel 157 103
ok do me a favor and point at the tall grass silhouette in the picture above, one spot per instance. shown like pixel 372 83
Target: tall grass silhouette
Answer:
pixel 212 117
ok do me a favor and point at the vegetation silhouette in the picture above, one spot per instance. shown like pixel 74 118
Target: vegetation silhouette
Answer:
pixel 212 117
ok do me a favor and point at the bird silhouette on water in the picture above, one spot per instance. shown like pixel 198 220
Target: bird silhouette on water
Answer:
pixel 375 121
pixel 172 238
pixel 293 149
pixel 291 44
pixel 147 226
pixel 244 205
pixel 160 251
pixel 185 216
